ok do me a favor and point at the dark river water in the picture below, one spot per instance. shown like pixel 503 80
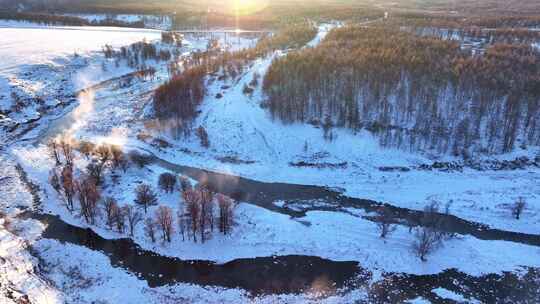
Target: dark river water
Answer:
pixel 283 274
pixel 265 194
pixel 298 273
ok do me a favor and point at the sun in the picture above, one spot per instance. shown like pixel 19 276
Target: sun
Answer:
pixel 244 4
pixel 245 7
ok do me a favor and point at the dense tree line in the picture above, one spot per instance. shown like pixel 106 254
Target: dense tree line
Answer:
pixel 414 92
pixel 45 19
pixel 176 101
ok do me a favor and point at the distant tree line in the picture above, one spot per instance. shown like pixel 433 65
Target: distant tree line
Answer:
pixel 458 21
pixel 291 36
pixel 51 19
pixel 413 92
pixel 487 36
pixel 276 16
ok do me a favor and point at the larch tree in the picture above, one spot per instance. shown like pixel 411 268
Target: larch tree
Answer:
pixel 164 220
pixel 150 229
pixel 89 196
pixel 110 206
pixel 145 197
pixel 69 186
pixel 133 216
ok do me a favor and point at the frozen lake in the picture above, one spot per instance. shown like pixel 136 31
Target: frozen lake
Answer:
pixel 27 44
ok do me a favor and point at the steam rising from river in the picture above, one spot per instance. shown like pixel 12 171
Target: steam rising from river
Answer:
pixel 86 107
pixel 82 116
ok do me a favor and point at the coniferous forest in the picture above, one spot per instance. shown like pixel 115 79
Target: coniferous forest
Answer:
pixel 414 92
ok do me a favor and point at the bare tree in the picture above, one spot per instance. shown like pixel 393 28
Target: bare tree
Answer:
pixel 67 150
pixel 385 222
pixel 518 207
pixel 225 213
pixel 111 207
pixel 89 196
pixel 426 241
pixel 182 224
pixel 124 164
pixel 95 170
pixel 120 219
pixel 431 234
pixel 150 229
pixel 192 199
pixel 104 153
pixel 167 181
pixel 52 147
pixel 118 158
pixel 431 216
pixel 164 219
pixel 54 181
pixel 86 148
pixel 139 159
pixel 206 200
pixel 68 186
pixel 203 137
pixel 145 197
pixel 210 214
pixel 185 184
pixel 134 217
